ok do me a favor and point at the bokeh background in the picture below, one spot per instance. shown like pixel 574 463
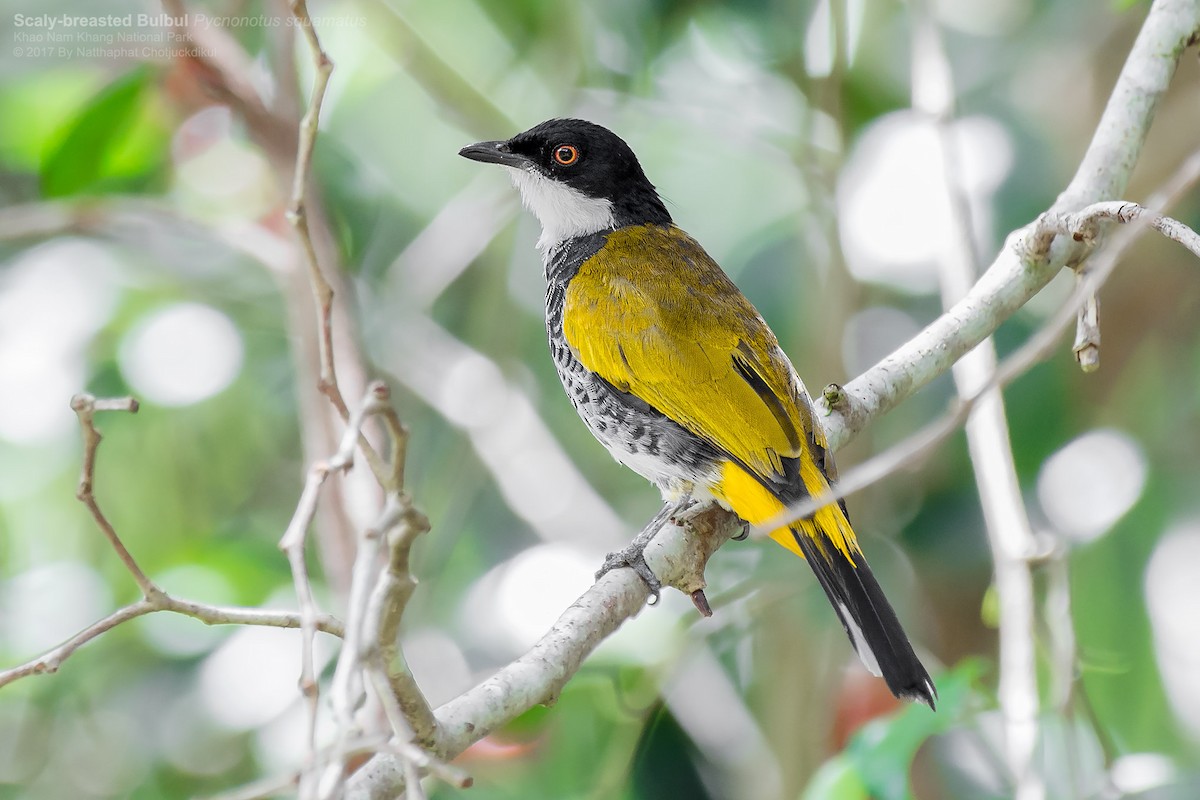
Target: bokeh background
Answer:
pixel 141 241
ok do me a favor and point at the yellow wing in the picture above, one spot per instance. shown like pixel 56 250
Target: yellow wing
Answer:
pixel 653 315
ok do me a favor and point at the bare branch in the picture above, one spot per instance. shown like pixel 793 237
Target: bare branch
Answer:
pixel 322 291
pixel 1087 332
pixel 85 407
pixel 1110 159
pixel 297 211
pixel 221 69
pixel 1084 224
pixel 51 661
pixel 384 612
pixel 293 546
pixel 208 614
pixel 348 685
pixel 416 761
pixel 1038 348
pixel 371 655
pixel 297 215
pixel 1032 256
pixel 261 617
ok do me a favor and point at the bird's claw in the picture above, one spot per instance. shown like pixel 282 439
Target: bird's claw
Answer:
pixel 634 558
pixel 745 532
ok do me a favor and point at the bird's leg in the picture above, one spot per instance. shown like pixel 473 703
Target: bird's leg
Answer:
pixel 634 555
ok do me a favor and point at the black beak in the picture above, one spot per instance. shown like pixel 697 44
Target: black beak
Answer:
pixel 494 153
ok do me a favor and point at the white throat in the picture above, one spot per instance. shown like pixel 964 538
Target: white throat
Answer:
pixel 563 211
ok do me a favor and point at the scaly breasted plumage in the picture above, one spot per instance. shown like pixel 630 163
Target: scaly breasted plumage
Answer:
pixel 678 376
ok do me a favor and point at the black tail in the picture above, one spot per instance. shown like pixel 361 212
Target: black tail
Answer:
pixel 869 620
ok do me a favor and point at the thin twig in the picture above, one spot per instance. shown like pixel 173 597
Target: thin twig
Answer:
pixel 297 215
pixel 384 612
pixel 220 68
pixel 297 211
pixel 261 617
pixel 1087 330
pixel 398 435
pixel 293 546
pixel 1110 159
pixel 1084 225
pixel 85 407
pixel 50 662
pixel 348 686
pixel 154 598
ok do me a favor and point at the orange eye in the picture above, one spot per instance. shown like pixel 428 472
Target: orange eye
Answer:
pixel 566 154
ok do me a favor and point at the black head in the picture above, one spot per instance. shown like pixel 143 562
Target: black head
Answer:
pixel 583 156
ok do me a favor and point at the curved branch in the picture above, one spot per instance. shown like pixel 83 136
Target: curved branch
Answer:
pixel 1029 259
pixel 51 660
pixel 1031 256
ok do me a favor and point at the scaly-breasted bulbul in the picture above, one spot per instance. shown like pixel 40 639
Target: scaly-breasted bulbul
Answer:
pixel 678 376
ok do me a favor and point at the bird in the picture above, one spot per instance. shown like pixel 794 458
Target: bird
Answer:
pixel 679 377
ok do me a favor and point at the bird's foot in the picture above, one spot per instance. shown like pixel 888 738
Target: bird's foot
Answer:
pixel 743 534
pixel 634 557
pixel 675 511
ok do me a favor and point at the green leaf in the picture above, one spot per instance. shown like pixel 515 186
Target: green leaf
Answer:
pixel 111 142
pixel 35 110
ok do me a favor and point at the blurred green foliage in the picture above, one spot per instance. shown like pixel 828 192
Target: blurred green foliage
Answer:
pixel 746 135
pixel 111 142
